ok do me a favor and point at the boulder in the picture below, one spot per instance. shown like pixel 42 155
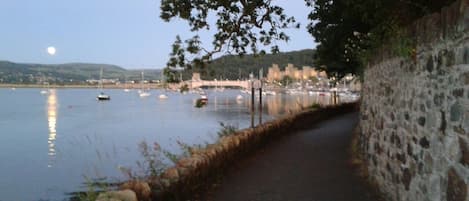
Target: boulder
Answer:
pixel 124 195
pixel 141 189
pixel 171 174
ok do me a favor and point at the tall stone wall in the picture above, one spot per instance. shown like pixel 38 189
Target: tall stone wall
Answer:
pixel 415 113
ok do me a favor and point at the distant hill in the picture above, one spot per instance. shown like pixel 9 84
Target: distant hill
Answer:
pixel 226 67
pixel 67 73
pixel 234 67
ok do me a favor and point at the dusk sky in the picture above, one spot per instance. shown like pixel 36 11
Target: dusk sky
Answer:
pixel 128 33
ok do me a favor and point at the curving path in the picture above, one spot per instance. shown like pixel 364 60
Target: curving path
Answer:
pixel 310 165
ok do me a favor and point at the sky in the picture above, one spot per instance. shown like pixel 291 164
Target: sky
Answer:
pixel 128 33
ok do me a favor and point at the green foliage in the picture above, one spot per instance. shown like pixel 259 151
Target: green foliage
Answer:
pixel 241 25
pixel 226 130
pixel 350 31
pixel 93 188
pixel 184 88
pixel 286 80
pixel 313 79
pixel 153 164
pixel 233 67
pixel 171 76
pixel 315 106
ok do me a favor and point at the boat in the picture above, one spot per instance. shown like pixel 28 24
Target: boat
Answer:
pixel 46 89
pixel 270 93
pixel 203 98
pixel 142 92
pixel 126 89
pixel 202 101
pixel 162 96
pixel 239 97
pixel 102 96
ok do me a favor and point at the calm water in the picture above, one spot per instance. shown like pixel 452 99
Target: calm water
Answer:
pixel 50 142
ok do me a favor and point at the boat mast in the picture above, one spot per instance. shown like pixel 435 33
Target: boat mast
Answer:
pixel 101 79
pixel 142 81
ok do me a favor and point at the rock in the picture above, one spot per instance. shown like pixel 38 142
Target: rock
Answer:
pixel 429 65
pixel 443 121
pixel 458 93
pixel 465 77
pixel 124 195
pixel 464 147
pixel 438 98
pixel 456 112
pixel 406 178
pixel 459 130
pixel 141 189
pixel 421 121
pixel 184 162
pixel 466 55
pixel 450 58
pixel 424 142
pixel 457 188
pixel 171 174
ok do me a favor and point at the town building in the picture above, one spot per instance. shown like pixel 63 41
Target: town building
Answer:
pixel 275 74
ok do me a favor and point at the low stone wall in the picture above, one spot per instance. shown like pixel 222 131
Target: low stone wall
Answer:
pixel 415 113
pixel 189 174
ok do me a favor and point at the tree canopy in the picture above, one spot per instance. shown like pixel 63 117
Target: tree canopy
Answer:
pixel 346 30
pixel 349 30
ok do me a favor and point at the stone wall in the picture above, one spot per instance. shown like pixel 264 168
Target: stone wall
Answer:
pixel 415 113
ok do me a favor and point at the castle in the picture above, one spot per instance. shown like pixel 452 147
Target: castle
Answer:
pixel 274 73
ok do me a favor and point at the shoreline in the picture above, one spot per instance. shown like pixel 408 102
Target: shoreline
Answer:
pixel 81 86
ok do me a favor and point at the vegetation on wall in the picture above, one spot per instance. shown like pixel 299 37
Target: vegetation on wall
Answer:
pixel 349 31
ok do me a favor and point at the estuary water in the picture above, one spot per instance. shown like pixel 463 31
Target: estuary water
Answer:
pixel 51 143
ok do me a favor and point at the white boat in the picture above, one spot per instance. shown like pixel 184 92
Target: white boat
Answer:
pixel 270 93
pixel 162 96
pixel 142 92
pixel 203 99
pixel 101 96
pixel 126 90
pixel 239 97
pixel 46 89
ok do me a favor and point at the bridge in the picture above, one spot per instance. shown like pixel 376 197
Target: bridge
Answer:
pixel 196 82
pixel 218 83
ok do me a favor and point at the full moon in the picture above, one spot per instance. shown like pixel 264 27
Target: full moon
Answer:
pixel 51 50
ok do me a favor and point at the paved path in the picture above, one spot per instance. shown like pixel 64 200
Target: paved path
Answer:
pixel 310 165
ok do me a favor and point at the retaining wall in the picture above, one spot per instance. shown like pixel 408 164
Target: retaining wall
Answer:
pixel 415 112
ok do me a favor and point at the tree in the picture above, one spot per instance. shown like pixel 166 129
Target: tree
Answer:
pixel 286 80
pixel 170 75
pixel 241 26
pixel 346 30
pixel 349 30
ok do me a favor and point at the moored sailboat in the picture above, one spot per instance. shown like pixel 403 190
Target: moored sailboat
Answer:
pixel 102 96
